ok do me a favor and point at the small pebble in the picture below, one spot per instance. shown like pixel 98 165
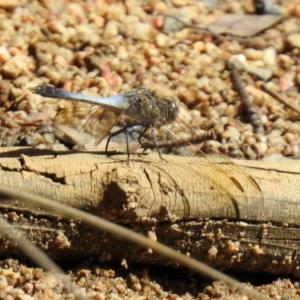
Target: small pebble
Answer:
pixel 269 56
pixel 263 74
pixel 231 134
pixel 4 54
pixel 161 40
pixel 213 51
pixel 144 32
pixel 253 54
pixel 111 29
pixel 238 61
pixel 293 40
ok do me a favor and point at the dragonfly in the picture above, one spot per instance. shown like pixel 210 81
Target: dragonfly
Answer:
pixel 92 117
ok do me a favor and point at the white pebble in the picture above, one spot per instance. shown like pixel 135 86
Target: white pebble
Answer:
pixel 238 62
pixel 269 56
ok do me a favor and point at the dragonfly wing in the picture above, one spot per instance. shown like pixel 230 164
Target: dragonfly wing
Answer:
pixel 100 123
pixel 80 123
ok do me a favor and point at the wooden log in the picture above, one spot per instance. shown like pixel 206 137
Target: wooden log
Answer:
pixel 240 216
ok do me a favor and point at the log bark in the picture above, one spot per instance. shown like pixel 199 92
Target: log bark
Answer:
pixel 233 215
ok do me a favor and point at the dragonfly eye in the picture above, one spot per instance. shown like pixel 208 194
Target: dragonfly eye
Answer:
pixel 173 110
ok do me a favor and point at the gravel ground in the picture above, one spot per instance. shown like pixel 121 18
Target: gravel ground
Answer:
pixel 107 47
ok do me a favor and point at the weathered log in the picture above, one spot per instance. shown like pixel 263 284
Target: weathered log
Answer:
pixel 241 216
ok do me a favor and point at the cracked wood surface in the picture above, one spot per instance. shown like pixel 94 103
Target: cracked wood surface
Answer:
pixel 234 218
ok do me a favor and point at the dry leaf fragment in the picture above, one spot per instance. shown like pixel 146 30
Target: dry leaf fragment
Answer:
pixel 243 25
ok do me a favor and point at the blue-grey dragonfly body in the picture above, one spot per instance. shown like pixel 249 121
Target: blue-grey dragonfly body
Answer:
pixel 93 117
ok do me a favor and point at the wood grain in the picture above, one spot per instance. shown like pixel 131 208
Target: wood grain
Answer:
pixel 241 217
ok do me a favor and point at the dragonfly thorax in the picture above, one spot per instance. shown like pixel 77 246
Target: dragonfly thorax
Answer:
pixel 148 109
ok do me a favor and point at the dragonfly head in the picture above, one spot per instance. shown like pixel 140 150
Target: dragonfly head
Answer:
pixel 172 111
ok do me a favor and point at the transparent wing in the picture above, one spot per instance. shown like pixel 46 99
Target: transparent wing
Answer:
pixel 80 123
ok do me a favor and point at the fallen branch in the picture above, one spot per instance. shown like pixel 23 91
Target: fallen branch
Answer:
pixel 229 216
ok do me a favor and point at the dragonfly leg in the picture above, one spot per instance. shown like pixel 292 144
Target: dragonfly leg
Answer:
pixel 153 139
pixel 112 135
pixel 127 147
pixel 125 129
pixel 154 142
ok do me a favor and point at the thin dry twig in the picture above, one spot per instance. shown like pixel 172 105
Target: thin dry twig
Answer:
pixel 192 140
pixel 281 98
pixel 39 257
pixel 250 109
pixel 122 232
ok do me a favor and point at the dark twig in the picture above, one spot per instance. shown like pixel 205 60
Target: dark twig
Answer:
pixel 250 109
pixel 281 98
pixel 192 140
